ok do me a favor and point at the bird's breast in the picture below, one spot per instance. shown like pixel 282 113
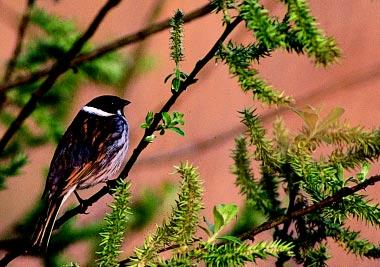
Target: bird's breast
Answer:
pixel 112 146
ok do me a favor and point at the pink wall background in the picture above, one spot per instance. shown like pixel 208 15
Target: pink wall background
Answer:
pixel 211 105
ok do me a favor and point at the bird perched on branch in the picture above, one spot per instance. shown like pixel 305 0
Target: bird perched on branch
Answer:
pixel 92 150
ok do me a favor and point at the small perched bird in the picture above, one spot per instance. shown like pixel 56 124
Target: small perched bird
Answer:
pixel 92 150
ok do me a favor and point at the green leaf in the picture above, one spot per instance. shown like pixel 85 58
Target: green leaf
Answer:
pixel 12 168
pixel 223 214
pixel 361 176
pixel 148 120
pixel 177 130
pixel 230 238
pixel 179 78
pixel 166 118
pixel 178 118
pixel 331 118
pixel 176 84
pixel 219 221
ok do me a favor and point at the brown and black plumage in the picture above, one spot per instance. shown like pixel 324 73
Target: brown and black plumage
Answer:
pixel 92 150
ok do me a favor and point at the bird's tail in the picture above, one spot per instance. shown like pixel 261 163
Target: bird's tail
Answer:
pixel 41 236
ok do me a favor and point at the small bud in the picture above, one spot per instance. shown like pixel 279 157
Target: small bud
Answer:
pixel 150 138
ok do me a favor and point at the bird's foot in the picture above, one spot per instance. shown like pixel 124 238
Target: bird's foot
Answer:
pixel 110 184
pixel 82 203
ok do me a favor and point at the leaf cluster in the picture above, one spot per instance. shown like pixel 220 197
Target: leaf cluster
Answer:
pixel 176 37
pixel 178 232
pixel 290 161
pixel 115 226
pixel 12 168
pixel 176 51
pixel 169 122
pixel 180 228
pixel 297 32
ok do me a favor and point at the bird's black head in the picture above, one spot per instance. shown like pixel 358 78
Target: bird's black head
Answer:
pixel 107 103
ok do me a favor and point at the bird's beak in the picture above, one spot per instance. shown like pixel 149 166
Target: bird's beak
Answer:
pixel 126 102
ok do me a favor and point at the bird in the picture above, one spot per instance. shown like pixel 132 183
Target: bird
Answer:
pixel 92 150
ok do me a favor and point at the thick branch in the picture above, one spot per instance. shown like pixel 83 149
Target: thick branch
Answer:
pixel 110 47
pixel 58 68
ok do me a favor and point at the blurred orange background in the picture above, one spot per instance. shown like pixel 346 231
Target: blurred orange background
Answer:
pixel 210 106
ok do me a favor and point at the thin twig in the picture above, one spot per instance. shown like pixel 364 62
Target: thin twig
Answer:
pixel 126 261
pixel 10 256
pixel 20 37
pixel 59 68
pixel 110 47
pixel 11 65
pixel 293 189
pixel 344 192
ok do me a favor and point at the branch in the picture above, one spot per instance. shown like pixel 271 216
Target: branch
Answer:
pixel 293 188
pixel 58 68
pixel 20 37
pixel 345 191
pixel 110 47
pixel 11 65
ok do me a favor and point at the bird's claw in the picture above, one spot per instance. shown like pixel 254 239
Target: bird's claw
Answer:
pixel 82 204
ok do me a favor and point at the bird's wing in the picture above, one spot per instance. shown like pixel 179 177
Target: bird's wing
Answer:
pixel 76 155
